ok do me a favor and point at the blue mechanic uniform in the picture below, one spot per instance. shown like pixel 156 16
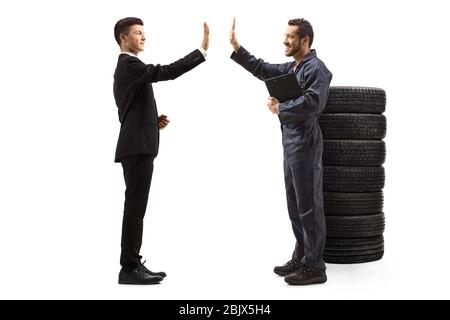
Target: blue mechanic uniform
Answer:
pixel 302 147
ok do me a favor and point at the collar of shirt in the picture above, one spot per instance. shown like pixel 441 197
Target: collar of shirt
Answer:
pixel 311 54
pixel 129 53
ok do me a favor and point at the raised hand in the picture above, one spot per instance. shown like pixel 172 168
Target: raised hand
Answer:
pixel 163 121
pixel 233 39
pixel 205 43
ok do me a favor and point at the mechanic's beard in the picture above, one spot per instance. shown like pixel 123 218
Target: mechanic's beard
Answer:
pixel 293 51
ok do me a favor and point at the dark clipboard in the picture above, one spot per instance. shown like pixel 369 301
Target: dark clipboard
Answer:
pixel 284 87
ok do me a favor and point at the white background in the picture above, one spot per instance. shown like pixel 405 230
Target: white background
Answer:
pixel 217 221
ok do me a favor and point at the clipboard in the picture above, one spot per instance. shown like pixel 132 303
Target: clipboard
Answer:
pixel 284 87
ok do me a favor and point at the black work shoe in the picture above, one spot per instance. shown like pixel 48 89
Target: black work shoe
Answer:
pixel 306 276
pixel 138 276
pixel 161 274
pixel 289 267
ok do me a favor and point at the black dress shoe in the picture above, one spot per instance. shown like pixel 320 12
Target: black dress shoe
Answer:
pixel 306 276
pixel 138 276
pixel 161 274
pixel 290 267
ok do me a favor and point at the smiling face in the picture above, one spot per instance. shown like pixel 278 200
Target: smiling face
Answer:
pixel 291 41
pixel 134 41
pixel 294 45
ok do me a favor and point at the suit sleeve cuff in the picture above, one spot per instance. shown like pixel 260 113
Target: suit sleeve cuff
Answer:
pixel 203 51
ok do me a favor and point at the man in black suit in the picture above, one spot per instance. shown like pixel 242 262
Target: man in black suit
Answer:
pixel 302 145
pixel 138 141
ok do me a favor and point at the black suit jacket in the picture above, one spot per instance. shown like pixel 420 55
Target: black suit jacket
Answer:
pixel 133 92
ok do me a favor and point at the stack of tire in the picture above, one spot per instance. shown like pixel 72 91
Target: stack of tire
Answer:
pixel 353 126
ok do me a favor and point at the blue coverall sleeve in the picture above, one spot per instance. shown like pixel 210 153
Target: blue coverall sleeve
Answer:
pixel 313 100
pixel 260 69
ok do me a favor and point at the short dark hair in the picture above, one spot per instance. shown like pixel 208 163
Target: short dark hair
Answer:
pixel 123 26
pixel 304 29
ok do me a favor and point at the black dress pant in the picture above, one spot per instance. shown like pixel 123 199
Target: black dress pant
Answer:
pixel 137 171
